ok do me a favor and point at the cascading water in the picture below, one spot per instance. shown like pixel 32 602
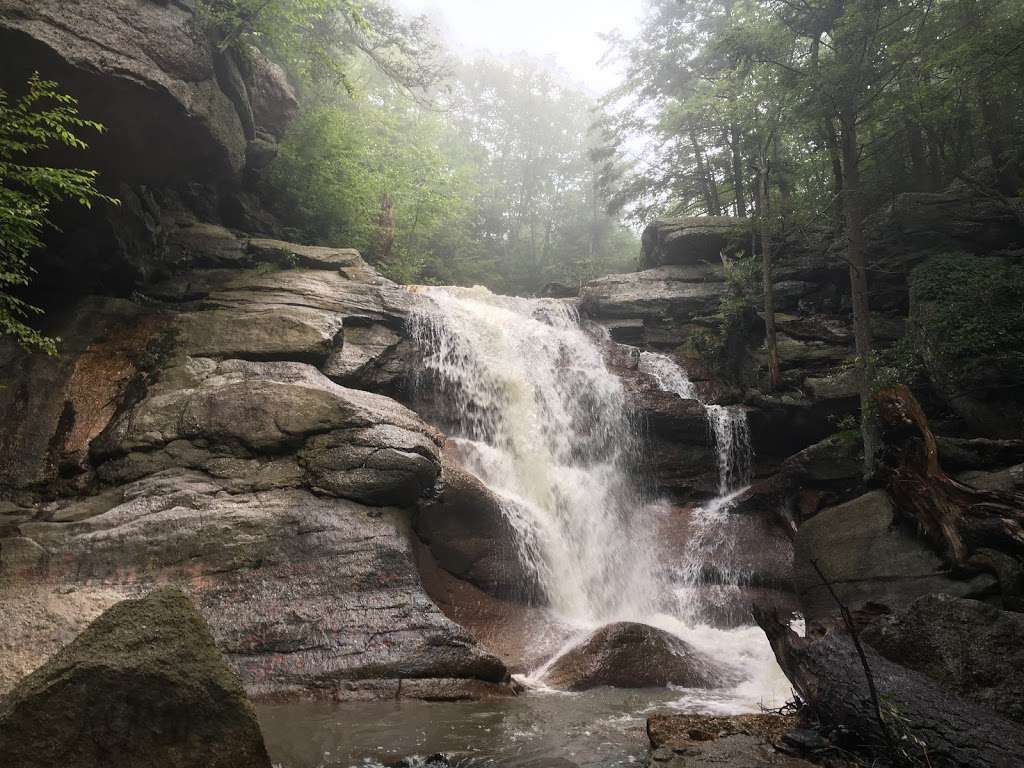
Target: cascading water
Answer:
pixel 712 531
pixel 728 425
pixel 537 415
pixel 543 423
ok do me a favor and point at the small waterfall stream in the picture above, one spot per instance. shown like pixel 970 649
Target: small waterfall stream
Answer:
pixel 536 414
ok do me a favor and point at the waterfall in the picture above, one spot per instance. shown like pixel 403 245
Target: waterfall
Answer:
pixel 537 415
pixel 728 426
pixel 533 410
pixel 712 530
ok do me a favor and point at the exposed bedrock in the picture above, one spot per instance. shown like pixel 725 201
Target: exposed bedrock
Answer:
pixel 691 239
pixel 974 649
pixel 190 438
pixel 176 108
pixel 469 537
pixel 143 685
pixel 870 555
pixel 629 655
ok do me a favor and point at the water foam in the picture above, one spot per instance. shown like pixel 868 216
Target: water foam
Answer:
pixel 537 415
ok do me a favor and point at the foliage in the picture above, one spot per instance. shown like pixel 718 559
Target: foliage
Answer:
pixel 720 88
pixel 317 40
pixel 42 118
pixel 968 315
pixel 491 185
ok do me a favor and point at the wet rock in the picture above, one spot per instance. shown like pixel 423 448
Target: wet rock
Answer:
pixel 309 256
pixel 1009 479
pixel 303 593
pixel 961 453
pixel 869 556
pixel 628 655
pixel 362 347
pixel 469 536
pixel 145 70
pixel 205 244
pixel 273 99
pixel 691 239
pixel 738 741
pixel 263 407
pixel 379 465
pixel 781 425
pixel 970 647
pixel 143 685
pixel 286 333
pixel 52 407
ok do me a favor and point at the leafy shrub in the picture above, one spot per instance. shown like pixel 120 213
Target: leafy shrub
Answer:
pixel 967 314
pixel 43 117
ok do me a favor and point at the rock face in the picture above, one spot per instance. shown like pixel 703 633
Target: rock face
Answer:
pixel 969 647
pixel 192 439
pixel 689 239
pixel 468 536
pixel 869 557
pixel 628 655
pixel 143 685
pixel 175 107
pixel 737 741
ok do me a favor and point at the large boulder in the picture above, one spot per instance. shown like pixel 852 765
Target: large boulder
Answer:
pixel 304 593
pixel 667 291
pixel 188 437
pixel 630 655
pixel 691 239
pixel 868 555
pixel 143 685
pixel 469 536
pixel 968 646
pixel 146 71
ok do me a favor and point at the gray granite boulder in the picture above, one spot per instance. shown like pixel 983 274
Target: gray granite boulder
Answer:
pixel 144 684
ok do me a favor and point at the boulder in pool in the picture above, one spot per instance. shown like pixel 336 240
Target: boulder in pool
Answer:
pixel 631 655
pixel 143 685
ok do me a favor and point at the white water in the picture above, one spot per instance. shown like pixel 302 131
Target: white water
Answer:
pixel 728 425
pixel 537 415
pixel 712 536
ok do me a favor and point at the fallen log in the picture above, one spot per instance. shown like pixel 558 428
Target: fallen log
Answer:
pixel 957 519
pixel 921 724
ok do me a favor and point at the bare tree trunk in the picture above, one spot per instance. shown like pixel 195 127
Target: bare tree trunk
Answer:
pixel 928 724
pixel 918 164
pixel 853 208
pixel 781 175
pixel 771 337
pixel 384 235
pixel 736 150
pixel 704 178
pixel 836 160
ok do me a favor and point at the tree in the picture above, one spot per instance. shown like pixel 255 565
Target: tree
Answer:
pixel 40 119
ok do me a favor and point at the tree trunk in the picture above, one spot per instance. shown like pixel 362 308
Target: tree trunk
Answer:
pixel 781 176
pixel 836 160
pixel 957 519
pixel 995 123
pixel 918 163
pixel 931 726
pixel 771 338
pixel 856 255
pixel 737 170
pixel 704 181
pixel 384 235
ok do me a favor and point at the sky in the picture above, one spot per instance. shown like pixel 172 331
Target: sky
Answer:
pixel 565 30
